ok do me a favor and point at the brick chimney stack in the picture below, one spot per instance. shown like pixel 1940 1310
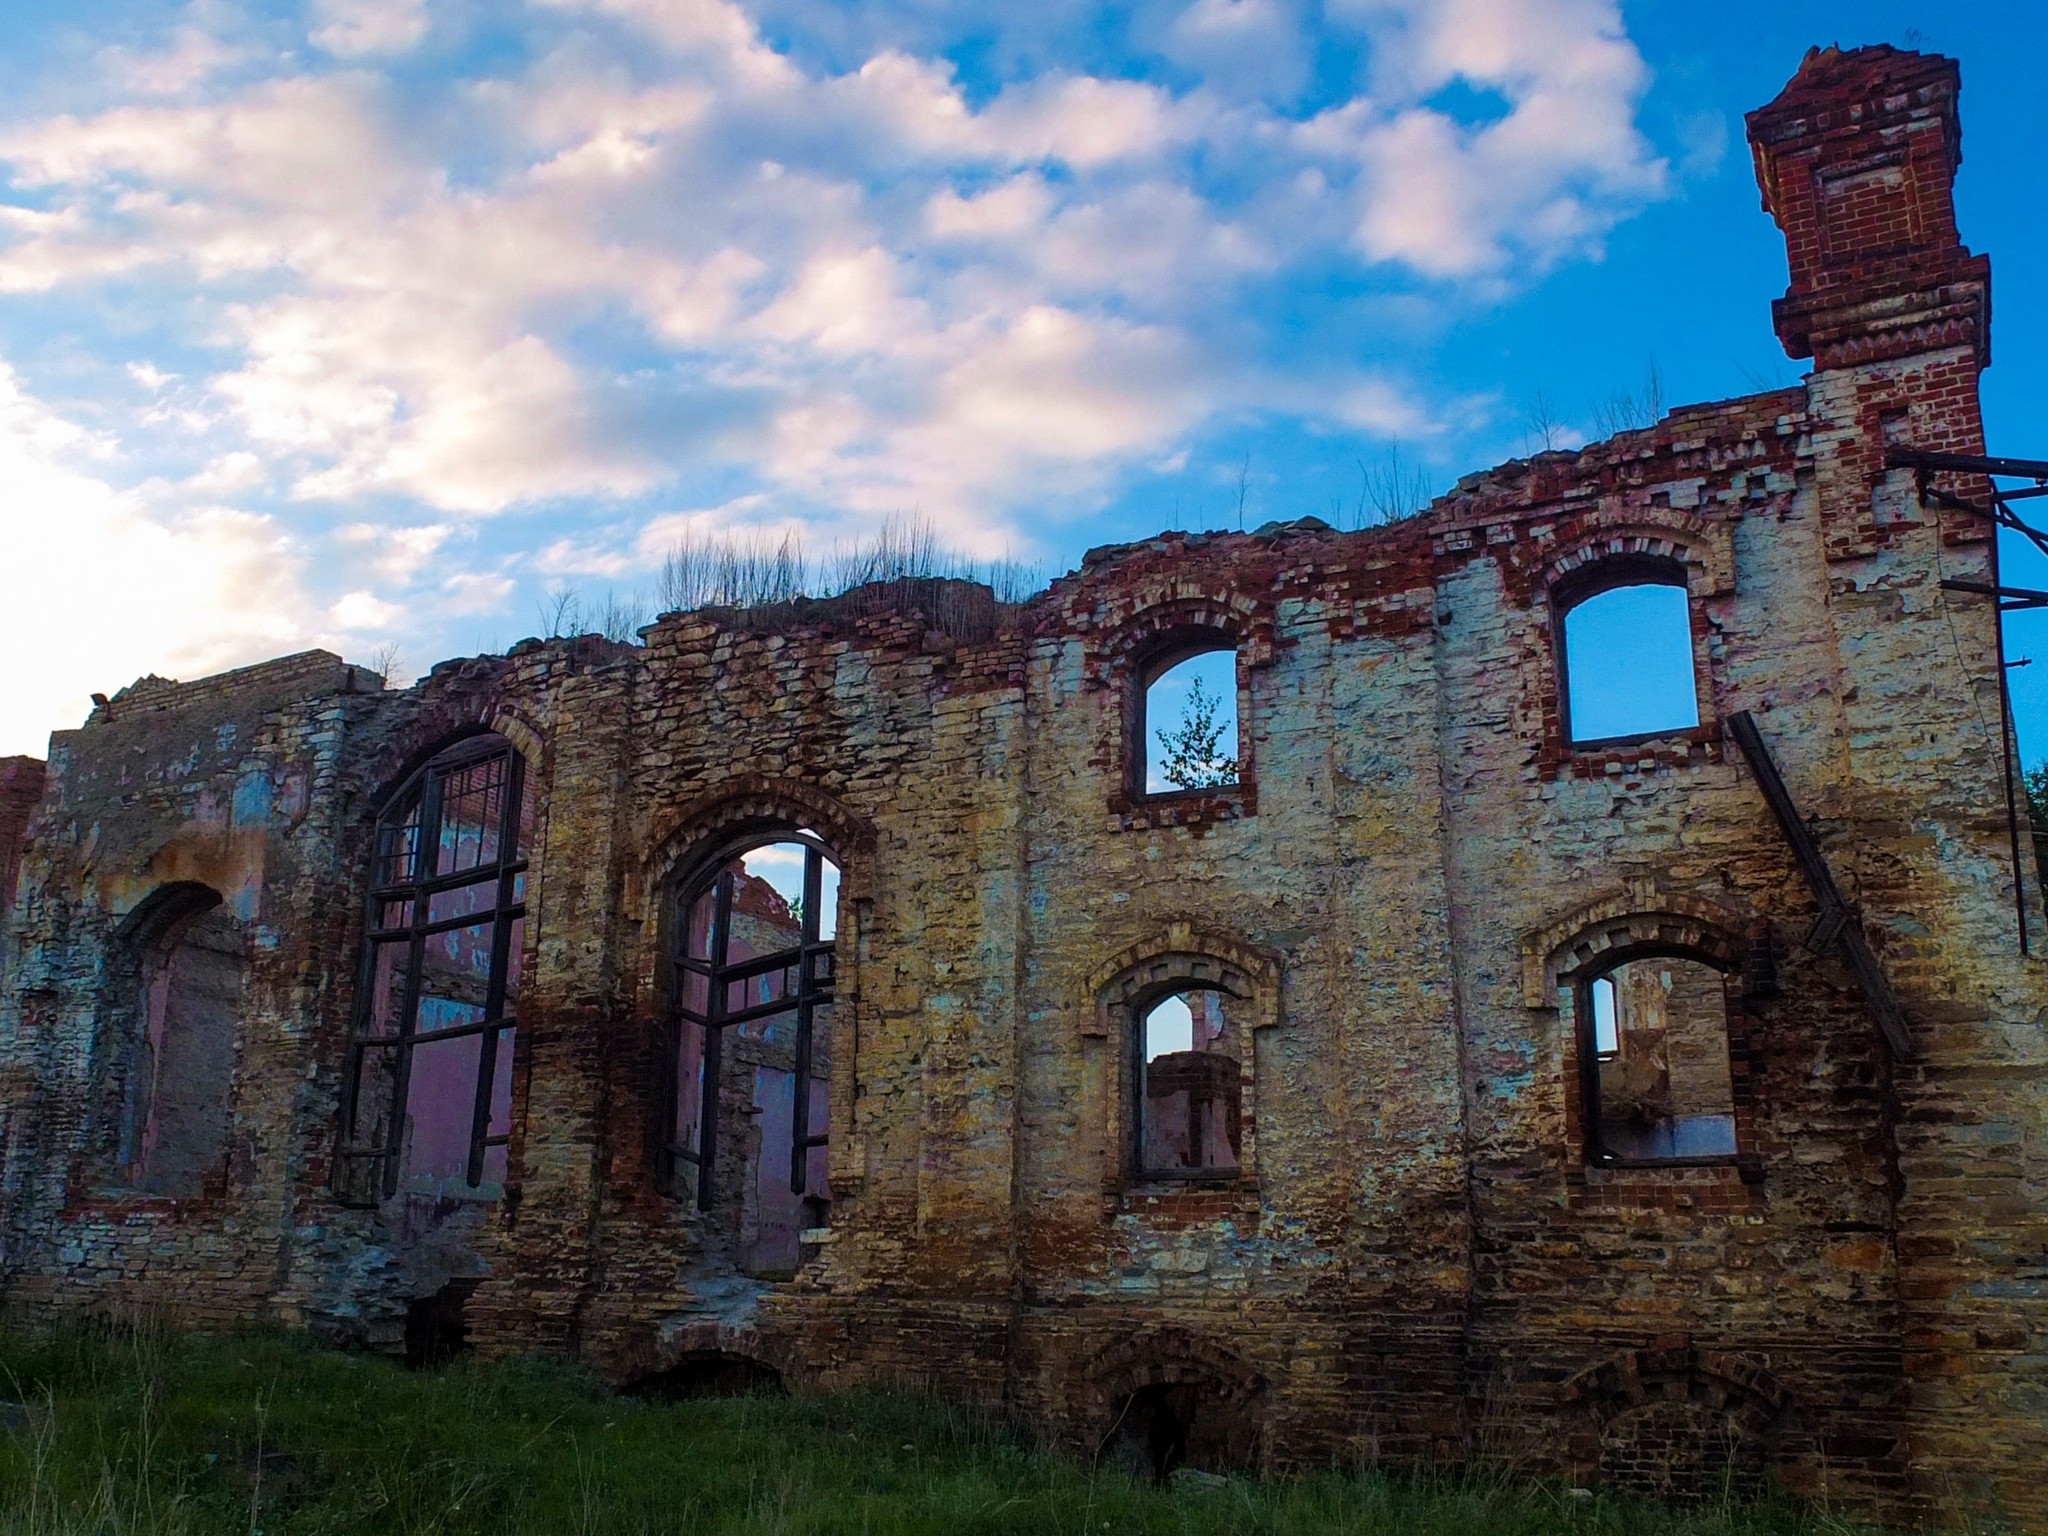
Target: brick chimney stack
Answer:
pixel 1857 160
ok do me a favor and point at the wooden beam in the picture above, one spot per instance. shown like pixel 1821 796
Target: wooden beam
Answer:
pixel 1838 925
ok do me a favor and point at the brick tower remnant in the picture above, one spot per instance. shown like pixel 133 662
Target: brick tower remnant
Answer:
pixel 1857 160
pixel 830 990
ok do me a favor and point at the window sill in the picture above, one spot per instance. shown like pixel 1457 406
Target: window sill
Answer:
pixel 115 1200
pixel 1185 807
pixel 1616 756
pixel 1728 1186
pixel 1749 1169
pixel 1185 1200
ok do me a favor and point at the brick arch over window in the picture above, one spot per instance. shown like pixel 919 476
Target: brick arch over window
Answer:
pixel 1637 920
pixel 1246 621
pixel 1180 958
pixel 1683 554
pixel 1183 955
pixel 1675 1422
pixel 750 801
pixel 666 1349
pixel 1561 964
pixel 441 718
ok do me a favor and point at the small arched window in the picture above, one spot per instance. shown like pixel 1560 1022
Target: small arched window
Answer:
pixel 1626 651
pixel 750 1049
pixel 1189 1081
pixel 1658 1083
pixel 1187 716
pixel 174 1120
pixel 429 1106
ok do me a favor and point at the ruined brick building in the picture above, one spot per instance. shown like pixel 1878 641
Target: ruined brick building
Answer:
pixel 827 990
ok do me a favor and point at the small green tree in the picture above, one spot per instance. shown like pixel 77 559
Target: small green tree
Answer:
pixel 1194 749
pixel 2035 782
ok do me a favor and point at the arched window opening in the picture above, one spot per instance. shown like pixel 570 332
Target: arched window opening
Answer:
pixel 174 1123
pixel 1628 656
pixel 430 1084
pixel 1659 1084
pixel 1187 720
pixel 1190 1091
pixel 751 999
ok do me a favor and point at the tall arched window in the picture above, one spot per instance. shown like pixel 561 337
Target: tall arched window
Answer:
pixel 750 1045
pixel 1187 715
pixel 1625 650
pixel 174 1115
pixel 429 1106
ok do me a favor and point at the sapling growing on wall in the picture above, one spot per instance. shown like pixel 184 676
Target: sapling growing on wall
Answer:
pixel 1194 749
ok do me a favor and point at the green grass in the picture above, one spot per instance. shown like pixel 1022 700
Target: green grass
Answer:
pixel 143 1431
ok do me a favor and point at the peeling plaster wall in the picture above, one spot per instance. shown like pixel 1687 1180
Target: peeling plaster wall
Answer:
pixel 1416 1258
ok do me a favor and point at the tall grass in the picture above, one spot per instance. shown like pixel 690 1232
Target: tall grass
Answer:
pixel 140 1431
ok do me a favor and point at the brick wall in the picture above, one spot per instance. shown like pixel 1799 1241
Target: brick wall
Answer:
pixel 1399 899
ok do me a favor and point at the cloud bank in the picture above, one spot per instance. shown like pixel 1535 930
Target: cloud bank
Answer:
pixel 426 283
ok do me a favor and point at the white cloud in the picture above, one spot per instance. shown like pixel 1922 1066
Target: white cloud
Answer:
pixel 665 532
pixel 475 592
pixel 394 555
pixel 193 56
pixel 1244 47
pixel 364 612
pixel 1008 211
pixel 414 335
pixel 352 28
pixel 1543 180
pixel 97 591
pixel 572 557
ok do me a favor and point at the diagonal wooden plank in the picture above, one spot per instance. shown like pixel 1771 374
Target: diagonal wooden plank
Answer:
pixel 1837 923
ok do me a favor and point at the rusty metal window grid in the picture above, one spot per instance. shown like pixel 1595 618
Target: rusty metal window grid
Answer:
pixel 811 962
pixel 482 853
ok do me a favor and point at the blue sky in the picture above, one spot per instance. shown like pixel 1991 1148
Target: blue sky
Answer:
pixel 368 323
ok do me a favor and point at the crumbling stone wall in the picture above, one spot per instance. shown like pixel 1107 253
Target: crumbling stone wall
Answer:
pixel 21 786
pixel 1400 904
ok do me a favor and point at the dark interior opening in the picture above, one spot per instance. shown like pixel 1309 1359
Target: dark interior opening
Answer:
pixel 1169 1425
pixel 436 1327
pixel 709 1373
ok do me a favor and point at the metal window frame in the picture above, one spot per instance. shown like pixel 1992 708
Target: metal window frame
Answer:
pixel 507 907
pixel 811 958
